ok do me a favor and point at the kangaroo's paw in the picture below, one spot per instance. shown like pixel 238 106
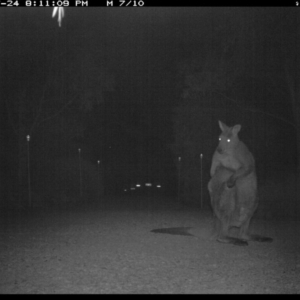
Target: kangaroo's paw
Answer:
pixel 230 182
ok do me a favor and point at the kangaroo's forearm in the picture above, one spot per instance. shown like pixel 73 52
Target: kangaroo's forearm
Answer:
pixel 242 172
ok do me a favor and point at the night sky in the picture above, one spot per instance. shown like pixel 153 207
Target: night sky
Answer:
pixel 118 70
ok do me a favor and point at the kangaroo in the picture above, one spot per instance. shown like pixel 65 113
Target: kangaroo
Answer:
pixel 233 188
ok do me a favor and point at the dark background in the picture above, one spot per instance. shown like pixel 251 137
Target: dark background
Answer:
pixel 138 87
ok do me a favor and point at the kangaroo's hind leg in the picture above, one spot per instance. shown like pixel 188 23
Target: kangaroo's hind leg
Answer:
pixel 225 206
pixel 224 237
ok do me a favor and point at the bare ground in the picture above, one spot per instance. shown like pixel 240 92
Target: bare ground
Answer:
pixel 110 249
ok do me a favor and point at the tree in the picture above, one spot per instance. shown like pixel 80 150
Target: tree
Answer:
pixel 70 87
pixel 204 79
pixel 244 81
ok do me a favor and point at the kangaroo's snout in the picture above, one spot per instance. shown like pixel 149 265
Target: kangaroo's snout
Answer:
pixel 220 150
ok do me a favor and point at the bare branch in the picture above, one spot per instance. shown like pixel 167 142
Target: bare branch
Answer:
pixel 9 117
pixel 256 110
pixel 57 113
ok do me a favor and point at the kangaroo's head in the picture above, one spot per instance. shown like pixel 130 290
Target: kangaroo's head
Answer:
pixel 228 139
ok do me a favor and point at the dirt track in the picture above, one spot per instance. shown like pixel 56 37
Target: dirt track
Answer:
pixel 111 249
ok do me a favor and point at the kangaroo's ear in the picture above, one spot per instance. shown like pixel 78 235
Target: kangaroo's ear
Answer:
pixel 223 126
pixel 236 128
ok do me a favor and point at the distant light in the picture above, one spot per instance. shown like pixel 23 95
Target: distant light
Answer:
pixel 148 184
pixel 133 188
pixel 125 190
pixel 158 186
pixel 138 185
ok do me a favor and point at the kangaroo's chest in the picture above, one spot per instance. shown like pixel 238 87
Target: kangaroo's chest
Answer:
pixel 229 161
